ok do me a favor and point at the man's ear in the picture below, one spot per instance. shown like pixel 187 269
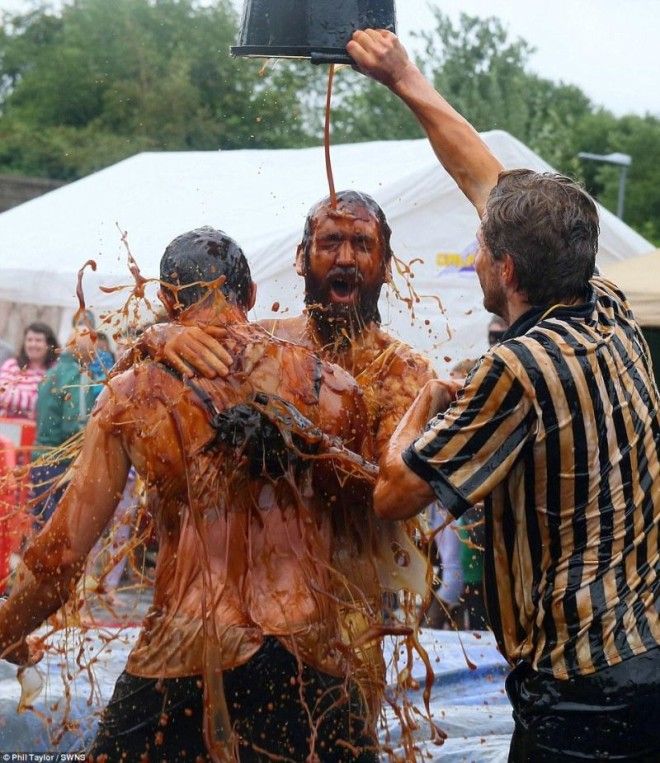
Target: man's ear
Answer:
pixel 300 260
pixel 508 272
pixel 253 296
pixel 168 300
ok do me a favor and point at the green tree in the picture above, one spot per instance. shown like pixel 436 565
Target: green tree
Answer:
pixel 480 72
pixel 102 80
pixel 640 138
pixel 98 81
pixel 364 110
pixel 487 77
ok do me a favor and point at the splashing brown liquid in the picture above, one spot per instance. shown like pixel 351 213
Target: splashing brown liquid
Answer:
pixel 326 139
pixel 342 592
pixel 136 291
pixel 140 280
pixel 81 315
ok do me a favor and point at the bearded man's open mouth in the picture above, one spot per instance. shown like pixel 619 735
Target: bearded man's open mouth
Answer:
pixel 344 289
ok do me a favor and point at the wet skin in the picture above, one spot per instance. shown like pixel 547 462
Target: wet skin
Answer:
pixel 254 552
pixel 150 418
pixel 370 555
pixel 347 240
pixel 389 373
pixel 488 271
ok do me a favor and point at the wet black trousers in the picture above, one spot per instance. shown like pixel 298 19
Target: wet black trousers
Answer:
pixel 152 721
pixel 611 715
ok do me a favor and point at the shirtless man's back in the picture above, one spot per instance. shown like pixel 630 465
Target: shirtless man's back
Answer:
pixel 262 527
pixel 242 646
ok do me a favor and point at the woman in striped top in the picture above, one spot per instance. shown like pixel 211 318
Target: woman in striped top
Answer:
pixel 20 377
pixel 557 430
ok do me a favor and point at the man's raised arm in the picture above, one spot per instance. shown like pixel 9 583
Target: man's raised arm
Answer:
pixel 380 55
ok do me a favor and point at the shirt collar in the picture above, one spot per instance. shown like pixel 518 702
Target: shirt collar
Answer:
pixel 534 315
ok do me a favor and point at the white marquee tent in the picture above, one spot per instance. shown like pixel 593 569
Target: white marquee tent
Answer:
pixel 640 280
pixel 261 197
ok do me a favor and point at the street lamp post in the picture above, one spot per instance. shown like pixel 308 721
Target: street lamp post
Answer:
pixel 622 161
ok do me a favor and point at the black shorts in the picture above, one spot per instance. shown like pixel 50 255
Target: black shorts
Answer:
pixel 611 715
pixel 161 720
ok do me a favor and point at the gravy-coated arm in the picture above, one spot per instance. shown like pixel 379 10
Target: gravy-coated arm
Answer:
pixel 56 557
pixel 380 55
pixel 399 492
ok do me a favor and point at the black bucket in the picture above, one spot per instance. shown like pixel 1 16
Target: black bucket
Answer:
pixel 314 29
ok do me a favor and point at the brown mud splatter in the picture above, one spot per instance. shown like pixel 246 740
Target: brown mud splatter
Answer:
pixel 81 315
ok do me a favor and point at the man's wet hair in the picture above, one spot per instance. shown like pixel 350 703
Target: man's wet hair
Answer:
pixel 548 224
pixel 200 256
pixel 349 198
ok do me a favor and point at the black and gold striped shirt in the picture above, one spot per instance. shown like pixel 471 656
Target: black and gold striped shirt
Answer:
pixel 558 430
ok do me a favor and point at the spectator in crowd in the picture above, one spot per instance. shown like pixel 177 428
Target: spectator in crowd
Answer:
pixel 65 399
pixel 103 358
pixel 103 346
pixel 102 361
pixel 471 532
pixel 20 377
pixel 472 537
pixel 447 598
pixel 448 601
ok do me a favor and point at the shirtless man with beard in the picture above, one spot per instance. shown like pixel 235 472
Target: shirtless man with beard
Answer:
pixel 345 258
pixel 242 654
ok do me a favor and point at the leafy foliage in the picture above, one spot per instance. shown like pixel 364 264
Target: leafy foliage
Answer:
pixel 103 80
pixel 99 81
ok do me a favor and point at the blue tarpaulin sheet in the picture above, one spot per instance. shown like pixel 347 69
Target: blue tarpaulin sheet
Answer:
pixel 469 705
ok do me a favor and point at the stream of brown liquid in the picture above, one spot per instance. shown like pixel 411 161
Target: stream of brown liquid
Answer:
pixel 326 139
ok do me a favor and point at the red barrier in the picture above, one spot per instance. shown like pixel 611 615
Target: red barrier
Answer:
pixel 21 434
pixel 16 441
pixel 7 508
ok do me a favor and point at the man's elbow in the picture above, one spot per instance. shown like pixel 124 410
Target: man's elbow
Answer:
pixel 381 503
pixel 399 493
pixel 385 501
pixel 388 503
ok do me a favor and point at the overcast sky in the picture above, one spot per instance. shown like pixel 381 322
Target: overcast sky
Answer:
pixel 607 47
pixel 610 48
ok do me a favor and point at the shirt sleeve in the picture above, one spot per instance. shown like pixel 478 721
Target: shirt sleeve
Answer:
pixel 470 448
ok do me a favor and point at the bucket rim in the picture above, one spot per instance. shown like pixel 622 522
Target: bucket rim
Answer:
pixel 316 53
